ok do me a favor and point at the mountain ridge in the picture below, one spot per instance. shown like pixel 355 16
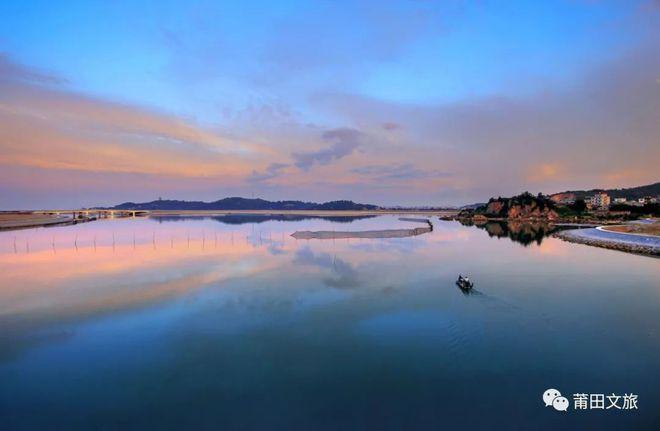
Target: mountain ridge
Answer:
pixel 239 203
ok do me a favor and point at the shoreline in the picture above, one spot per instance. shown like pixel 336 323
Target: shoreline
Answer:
pixel 322 213
pixel 647 245
pixel 556 222
pixel 14 220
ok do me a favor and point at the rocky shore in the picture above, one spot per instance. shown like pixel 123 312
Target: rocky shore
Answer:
pixel 631 243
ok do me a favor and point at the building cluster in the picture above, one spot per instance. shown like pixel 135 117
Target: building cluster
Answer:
pixel 602 201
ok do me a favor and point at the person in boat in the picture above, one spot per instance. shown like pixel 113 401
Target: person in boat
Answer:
pixel 464 282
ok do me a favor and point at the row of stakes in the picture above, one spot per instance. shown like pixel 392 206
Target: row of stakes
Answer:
pixel 75 241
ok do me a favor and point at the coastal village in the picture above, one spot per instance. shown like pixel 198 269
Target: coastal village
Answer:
pixel 567 207
pixel 602 201
pixel 622 223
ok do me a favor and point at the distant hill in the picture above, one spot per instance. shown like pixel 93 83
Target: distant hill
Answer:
pixel 631 193
pixel 473 206
pixel 237 203
pixel 238 219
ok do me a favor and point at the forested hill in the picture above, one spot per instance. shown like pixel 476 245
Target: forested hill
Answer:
pixel 630 193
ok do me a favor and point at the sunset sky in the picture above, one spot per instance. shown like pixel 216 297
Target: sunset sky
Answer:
pixel 399 102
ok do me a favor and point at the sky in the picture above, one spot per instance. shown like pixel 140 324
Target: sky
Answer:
pixel 404 102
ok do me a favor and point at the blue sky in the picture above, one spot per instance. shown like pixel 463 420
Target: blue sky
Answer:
pixel 271 73
pixel 146 51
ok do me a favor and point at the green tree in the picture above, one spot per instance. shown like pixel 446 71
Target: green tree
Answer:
pixel 579 206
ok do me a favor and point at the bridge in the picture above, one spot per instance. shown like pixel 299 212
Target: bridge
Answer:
pixel 91 213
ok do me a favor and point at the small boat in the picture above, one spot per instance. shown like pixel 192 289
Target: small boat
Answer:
pixel 464 282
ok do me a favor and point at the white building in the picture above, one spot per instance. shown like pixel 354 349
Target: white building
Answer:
pixel 647 200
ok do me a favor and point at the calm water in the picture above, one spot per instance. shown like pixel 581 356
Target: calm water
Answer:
pixel 232 324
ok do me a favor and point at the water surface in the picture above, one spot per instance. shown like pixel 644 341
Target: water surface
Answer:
pixel 212 323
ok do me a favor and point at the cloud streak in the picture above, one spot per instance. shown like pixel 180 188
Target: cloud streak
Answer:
pixel 401 171
pixel 343 142
pixel 273 170
pixel 12 72
pixel 53 128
